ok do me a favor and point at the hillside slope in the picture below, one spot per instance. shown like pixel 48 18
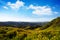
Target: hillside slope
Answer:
pixel 51 31
pixel 55 23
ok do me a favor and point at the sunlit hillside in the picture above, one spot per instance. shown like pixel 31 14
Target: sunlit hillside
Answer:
pixel 51 31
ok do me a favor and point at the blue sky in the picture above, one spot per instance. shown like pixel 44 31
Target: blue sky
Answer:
pixel 29 10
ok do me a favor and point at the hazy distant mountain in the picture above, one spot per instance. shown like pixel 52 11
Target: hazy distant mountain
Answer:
pixel 23 24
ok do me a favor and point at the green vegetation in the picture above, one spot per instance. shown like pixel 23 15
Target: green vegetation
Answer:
pixel 51 31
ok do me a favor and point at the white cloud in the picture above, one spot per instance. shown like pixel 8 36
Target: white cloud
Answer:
pixel 41 10
pixel 7 17
pixel 5 7
pixel 16 5
pixel 43 19
pixel 56 12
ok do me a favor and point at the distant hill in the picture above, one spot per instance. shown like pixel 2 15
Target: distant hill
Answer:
pixel 23 24
pixel 42 25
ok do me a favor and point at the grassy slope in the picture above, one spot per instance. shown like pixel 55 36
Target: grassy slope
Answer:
pixel 49 33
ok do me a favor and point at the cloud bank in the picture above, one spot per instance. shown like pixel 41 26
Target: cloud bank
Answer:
pixel 15 5
pixel 42 10
pixel 36 10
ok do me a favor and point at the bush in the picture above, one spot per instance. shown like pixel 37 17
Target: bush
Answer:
pixel 11 35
